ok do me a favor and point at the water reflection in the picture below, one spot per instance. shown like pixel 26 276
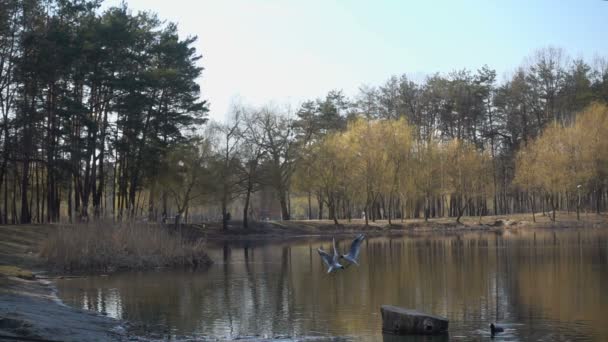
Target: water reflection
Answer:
pixel 543 284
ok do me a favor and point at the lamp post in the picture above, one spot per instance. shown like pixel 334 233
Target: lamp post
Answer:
pixel 578 204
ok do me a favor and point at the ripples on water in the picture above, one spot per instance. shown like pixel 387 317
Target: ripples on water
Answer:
pixel 542 285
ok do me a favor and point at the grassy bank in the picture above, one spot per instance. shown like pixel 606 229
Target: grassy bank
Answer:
pixel 96 247
pixel 282 229
pixel 19 245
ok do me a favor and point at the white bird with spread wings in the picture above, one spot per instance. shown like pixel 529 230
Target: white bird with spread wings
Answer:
pixel 355 247
pixel 332 260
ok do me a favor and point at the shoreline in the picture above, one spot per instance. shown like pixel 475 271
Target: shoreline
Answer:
pixel 30 308
pixel 29 304
pixel 279 230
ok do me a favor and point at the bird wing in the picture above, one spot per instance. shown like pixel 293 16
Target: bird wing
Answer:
pixel 326 257
pixel 356 246
pixel 336 255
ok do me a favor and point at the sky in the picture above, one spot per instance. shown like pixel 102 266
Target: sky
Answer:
pixel 261 52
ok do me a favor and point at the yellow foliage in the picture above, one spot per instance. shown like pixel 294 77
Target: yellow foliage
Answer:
pixel 590 129
pixel 428 170
pixel 564 157
pixel 368 159
pixel 466 169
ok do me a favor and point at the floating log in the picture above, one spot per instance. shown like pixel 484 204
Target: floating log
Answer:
pixel 401 321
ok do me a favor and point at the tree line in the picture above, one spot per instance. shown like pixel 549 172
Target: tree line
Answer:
pixel 460 144
pixel 567 165
pixel 102 117
pixel 90 102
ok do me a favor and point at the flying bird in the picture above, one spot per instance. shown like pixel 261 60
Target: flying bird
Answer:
pixel 331 260
pixel 355 247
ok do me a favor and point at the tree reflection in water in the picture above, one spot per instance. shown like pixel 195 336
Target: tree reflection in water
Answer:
pixel 547 284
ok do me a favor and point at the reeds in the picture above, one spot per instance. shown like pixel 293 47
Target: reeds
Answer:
pixel 103 248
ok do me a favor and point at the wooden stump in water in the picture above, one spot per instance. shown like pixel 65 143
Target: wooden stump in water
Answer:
pixel 401 321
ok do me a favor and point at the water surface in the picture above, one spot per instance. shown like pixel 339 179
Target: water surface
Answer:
pixel 542 284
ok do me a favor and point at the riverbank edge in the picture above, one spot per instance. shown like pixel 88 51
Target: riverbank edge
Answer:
pixel 32 309
pixel 280 230
pixel 29 304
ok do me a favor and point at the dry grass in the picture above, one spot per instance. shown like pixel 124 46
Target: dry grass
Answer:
pixel 14 271
pixel 96 247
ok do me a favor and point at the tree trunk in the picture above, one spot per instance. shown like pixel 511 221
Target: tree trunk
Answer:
pixel 152 195
pixel 461 210
pixel 25 212
pixel 553 203
pixel 4 175
pixel 390 206
pixel 578 206
pixel 14 197
pixel 309 206
pixel 374 210
pixel 349 212
pixel 5 220
pixel 3 170
pixel 320 202
pixel 224 213
pixel 598 200
pixel 283 201
pixel 178 218
pixel 76 197
pixel 38 214
pixel 332 209
pixel 426 209
pixel 70 213
pixel 532 200
pixel 246 206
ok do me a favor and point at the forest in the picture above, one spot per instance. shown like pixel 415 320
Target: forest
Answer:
pixel 103 118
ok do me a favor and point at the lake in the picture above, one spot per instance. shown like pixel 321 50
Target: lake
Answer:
pixel 541 284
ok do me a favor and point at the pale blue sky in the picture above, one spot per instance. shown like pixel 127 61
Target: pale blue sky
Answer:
pixel 288 51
